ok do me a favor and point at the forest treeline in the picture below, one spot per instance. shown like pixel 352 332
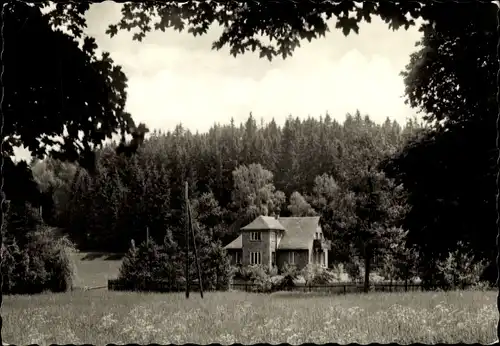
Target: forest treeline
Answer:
pixel 130 194
pixel 401 193
pixel 236 172
pixel 341 171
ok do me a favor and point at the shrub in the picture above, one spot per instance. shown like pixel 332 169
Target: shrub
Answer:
pixel 338 273
pixel 460 268
pixel 259 276
pixel 42 264
pixel 353 270
pixel 273 271
pixel 263 285
pixel 290 270
pixel 56 258
pixel 252 272
pixel 282 283
pixel 150 262
pixel 10 261
pixel 310 272
pixel 482 286
pixel 147 263
pixel 34 259
pixel 216 268
pixel 316 275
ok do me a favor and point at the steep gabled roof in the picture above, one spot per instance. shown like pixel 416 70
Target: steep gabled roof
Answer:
pixel 299 232
pixel 236 244
pixel 264 222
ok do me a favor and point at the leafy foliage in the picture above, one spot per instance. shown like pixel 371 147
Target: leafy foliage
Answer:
pixel 150 262
pixel 317 275
pixel 460 268
pixel 34 260
pixel 254 194
pixel 299 207
pixel 79 96
pixel 344 185
pixel 449 171
pixel 54 178
pixel 247 25
pixel 130 196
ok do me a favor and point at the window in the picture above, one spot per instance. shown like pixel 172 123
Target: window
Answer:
pixel 255 258
pixel 323 259
pixel 291 257
pixel 274 258
pixel 255 236
pixel 237 258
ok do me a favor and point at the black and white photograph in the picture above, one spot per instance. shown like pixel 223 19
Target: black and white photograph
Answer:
pixel 249 172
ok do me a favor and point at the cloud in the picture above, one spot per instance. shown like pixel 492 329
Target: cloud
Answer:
pixel 176 78
pixel 198 92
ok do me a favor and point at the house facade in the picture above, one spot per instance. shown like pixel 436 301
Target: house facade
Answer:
pixel 273 241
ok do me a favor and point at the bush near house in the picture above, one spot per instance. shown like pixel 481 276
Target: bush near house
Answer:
pixel 42 264
pixel 261 277
pixel 150 262
pixel 317 275
pixel 265 280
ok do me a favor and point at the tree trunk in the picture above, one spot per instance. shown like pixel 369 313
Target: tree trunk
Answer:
pixel 366 285
pixel 406 279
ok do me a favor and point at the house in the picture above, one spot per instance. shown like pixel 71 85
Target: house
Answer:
pixel 275 241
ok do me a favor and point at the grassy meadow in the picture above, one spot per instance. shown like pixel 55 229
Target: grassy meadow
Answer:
pixel 100 317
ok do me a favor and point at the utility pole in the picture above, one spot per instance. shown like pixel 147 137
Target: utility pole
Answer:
pixel 195 252
pixel 186 197
pixel 190 228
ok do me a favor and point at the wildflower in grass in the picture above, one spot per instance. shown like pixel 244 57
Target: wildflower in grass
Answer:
pixel 36 337
pixel 247 319
pixel 107 321
pixel 294 339
pixel 227 339
pixel 67 334
pixel 139 327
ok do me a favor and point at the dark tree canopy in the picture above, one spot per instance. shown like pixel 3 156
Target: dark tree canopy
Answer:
pixel 450 171
pixel 451 77
pixel 57 93
pixel 273 28
pixel 448 79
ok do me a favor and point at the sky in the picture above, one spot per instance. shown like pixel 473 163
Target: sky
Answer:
pixel 177 78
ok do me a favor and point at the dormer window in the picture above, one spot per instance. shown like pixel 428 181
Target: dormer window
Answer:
pixel 318 235
pixel 255 236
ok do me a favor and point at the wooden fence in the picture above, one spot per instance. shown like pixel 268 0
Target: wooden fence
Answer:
pixel 334 288
pixel 151 286
pixel 339 288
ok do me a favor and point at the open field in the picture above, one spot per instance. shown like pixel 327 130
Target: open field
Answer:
pixel 94 269
pixel 100 317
